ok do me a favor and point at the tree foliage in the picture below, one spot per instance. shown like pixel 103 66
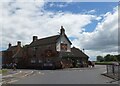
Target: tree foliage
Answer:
pixel 100 58
pixel 108 57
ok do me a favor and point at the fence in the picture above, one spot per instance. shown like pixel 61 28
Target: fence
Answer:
pixel 113 71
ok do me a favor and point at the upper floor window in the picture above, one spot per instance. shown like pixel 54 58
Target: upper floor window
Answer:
pixel 63 47
pixel 40 61
pixel 48 53
pixel 35 48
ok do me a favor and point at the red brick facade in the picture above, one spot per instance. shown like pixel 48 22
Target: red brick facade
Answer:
pixel 40 51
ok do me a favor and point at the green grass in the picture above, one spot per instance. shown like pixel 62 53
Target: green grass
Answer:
pixel 103 63
pixel 3 71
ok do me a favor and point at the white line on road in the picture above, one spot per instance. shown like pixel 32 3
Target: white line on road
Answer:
pixel 39 72
pixel 105 72
pixel 12 81
pixel 27 74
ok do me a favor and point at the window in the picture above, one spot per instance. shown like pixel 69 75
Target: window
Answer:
pixel 32 60
pixel 48 53
pixel 35 48
pixel 63 47
pixel 40 61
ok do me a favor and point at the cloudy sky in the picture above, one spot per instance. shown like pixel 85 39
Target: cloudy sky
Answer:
pixel 91 26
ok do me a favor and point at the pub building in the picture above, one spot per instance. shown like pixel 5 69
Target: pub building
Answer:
pixel 50 52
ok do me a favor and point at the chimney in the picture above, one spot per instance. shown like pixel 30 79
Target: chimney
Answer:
pixel 35 38
pixel 62 31
pixel 9 45
pixel 19 43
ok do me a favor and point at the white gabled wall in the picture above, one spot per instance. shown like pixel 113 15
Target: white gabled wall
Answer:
pixel 63 39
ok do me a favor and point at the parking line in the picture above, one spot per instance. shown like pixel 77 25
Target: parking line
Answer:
pixel 12 81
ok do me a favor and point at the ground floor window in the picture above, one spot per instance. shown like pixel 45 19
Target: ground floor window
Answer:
pixel 40 61
pixel 33 61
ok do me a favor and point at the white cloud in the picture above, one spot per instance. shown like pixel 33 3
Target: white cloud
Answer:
pixel 91 11
pixel 104 39
pixel 98 18
pixel 31 19
pixel 60 5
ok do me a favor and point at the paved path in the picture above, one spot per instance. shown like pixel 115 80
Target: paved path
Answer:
pixel 68 76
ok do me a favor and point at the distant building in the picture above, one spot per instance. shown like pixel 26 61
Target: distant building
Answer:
pixel 54 49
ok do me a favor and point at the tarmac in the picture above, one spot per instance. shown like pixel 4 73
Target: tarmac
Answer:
pixel 11 75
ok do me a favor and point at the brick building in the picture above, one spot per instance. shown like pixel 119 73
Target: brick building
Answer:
pixel 54 51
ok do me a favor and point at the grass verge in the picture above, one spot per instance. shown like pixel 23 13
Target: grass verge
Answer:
pixel 3 71
pixel 103 63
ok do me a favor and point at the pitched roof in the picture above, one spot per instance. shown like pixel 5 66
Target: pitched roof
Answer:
pixel 44 41
pixel 78 53
pixel 75 52
pixel 17 51
pixel 67 39
pixel 12 48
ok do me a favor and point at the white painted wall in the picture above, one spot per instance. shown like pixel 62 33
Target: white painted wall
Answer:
pixel 63 39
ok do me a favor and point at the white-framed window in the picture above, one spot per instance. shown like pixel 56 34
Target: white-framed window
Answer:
pixel 33 61
pixel 63 47
pixel 40 61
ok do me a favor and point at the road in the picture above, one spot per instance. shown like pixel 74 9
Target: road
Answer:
pixel 68 76
pixel 0 79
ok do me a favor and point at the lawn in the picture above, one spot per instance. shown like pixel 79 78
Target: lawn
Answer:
pixel 103 63
pixel 3 71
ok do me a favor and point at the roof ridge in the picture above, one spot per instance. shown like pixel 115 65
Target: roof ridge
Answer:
pixel 48 37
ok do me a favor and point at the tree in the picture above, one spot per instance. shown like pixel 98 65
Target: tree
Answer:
pixel 100 58
pixel 107 57
pixel 117 57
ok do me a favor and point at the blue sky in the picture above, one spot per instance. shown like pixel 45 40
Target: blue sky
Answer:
pixel 81 7
pixel 99 8
pixel 89 25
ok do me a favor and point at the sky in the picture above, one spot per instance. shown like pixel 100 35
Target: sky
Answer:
pixel 92 26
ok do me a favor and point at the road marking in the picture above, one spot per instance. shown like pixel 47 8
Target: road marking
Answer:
pixel 39 72
pixel 27 74
pixel 105 72
pixel 12 81
pixel 7 76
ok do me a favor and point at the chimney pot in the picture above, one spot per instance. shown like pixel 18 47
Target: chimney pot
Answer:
pixel 9 45
pixel 35 38
pixel 19 43
pixel 62 31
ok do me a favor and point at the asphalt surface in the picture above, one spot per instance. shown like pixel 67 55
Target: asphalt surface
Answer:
pixel 12 76
pixel 68 76
pixel 0 79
